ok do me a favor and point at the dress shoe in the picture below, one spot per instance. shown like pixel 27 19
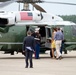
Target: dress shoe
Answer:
pixel 60 57
pixel 31 67
pixel 57 58
pixel 26 67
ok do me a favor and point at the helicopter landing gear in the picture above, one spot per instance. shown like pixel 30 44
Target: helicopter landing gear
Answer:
pixel 12 52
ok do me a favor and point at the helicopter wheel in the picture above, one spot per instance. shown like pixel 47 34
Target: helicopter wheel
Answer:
pixel 12 52
pixel 23 53
pixel 65 51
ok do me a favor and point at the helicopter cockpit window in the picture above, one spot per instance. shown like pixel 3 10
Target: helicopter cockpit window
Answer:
pixel 74 30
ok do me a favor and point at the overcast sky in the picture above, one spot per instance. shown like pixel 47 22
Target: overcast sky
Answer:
pixel 58 9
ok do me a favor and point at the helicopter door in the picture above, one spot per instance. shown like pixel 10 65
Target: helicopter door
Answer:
pixel 48 36
pixel 48 32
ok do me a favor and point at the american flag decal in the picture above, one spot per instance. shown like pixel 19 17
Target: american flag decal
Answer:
pixel 26 15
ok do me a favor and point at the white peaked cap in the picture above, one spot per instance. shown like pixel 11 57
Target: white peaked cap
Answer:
pixel 37 29
pixel 61 28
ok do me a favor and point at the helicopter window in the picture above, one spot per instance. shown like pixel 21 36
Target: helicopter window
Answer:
pixel 74 30
pixel 52 17
pixel 2 11
pixel 38 14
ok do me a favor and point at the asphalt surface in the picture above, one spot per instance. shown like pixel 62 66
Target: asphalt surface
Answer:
pixel 15 65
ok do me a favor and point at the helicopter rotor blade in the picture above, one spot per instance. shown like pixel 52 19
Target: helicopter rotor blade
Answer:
pixel 3 4
pixel 34 4
pixel 58 3
pixel 38 7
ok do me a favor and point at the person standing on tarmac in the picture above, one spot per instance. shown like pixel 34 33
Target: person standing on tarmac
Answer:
pixel 37 41
pixel 28 48
pixel 58 40
pixel 62 44
pixel 53 46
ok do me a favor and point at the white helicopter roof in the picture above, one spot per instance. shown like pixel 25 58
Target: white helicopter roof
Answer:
pixel 64 23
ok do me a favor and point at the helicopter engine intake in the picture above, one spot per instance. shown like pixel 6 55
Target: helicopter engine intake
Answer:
pixel 3 21
pixel 6 22
pixel 7 18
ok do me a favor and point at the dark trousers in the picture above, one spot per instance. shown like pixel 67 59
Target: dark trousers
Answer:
pixel 62 46
pixel 28 57
pixel 37 51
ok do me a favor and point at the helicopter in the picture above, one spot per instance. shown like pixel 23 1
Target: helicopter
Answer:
pixel 14 27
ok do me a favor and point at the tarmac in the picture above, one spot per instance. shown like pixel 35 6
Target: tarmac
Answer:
pixel 15 65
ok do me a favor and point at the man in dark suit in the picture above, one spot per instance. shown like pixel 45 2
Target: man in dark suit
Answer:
pixel 28 48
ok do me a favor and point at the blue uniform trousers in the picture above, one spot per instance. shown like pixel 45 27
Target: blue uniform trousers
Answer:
pixel 37 51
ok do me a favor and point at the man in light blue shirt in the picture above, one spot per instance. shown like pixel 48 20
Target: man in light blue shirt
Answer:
pixel 59 35
pixel 58 40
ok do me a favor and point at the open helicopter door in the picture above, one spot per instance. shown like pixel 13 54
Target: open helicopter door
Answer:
pixel 48 32
pixel 48 37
